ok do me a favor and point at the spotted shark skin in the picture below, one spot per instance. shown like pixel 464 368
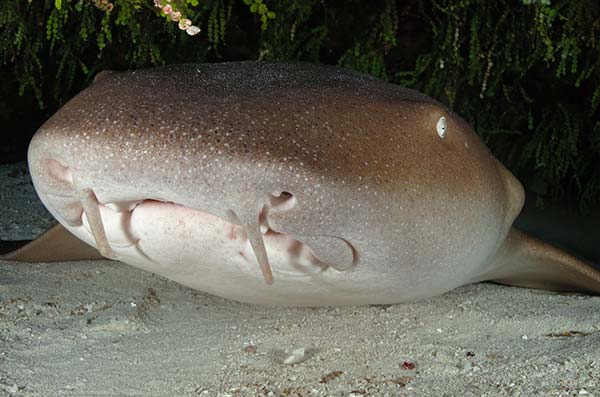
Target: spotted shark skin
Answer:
pixel 287 184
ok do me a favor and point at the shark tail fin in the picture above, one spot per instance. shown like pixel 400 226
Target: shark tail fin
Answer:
pixel 525 261
pixel 55 245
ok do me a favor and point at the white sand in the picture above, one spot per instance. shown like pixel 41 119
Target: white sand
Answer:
pixel 106 328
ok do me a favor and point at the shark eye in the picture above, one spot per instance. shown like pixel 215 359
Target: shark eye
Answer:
pixel 441 127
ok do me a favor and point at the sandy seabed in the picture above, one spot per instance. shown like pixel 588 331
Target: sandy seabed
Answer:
pixel 104 328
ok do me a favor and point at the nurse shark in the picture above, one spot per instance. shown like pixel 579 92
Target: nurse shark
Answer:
pixel 284 184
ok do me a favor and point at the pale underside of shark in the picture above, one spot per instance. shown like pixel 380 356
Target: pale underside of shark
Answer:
pixel 284 184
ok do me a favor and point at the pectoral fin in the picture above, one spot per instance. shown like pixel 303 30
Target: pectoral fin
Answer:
pixel 525 261
pixel 55 245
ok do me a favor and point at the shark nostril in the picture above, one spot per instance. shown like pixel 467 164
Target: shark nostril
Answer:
pixel 58 171
pixel 54 183
pixel 53 177
pixel 282 201
pixel 277 202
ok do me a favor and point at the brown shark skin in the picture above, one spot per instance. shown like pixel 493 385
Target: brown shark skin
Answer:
pixel 361 157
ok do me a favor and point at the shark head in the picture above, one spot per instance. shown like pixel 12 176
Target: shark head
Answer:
pixel 339 187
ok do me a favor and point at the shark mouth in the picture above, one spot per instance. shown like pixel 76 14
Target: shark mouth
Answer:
pixel 131 230
pixel 114 226
pixel 140 230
